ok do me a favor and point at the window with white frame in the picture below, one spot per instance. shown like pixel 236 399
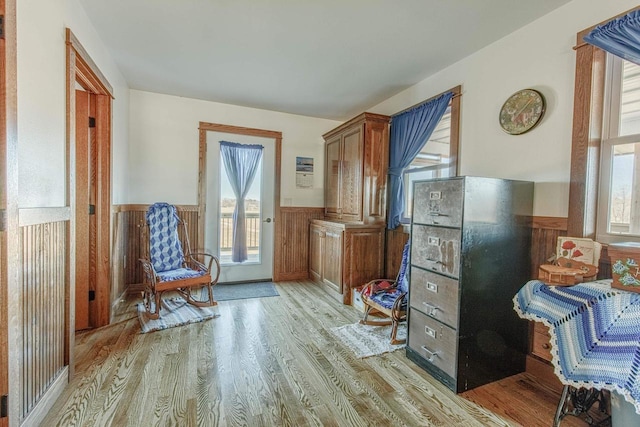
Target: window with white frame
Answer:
pixel 431 162
pixel 619 190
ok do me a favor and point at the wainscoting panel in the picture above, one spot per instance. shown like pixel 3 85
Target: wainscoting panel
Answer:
pixel 545 233
pixel 396 240
pixel 43 257
pixel 291 257
pixel 129 246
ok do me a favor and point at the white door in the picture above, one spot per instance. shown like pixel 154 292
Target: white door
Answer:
pixel 258 208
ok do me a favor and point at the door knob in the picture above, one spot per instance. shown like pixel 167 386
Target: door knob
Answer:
pixel 267 220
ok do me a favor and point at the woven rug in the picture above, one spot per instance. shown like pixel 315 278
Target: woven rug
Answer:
pixel 367 340
pixel 175 312
pixel 244 291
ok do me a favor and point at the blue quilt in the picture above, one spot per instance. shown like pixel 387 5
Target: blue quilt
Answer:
pixel 595 333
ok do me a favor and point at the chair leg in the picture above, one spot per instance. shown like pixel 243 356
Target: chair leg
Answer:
pixel 365 320
pixel 394 332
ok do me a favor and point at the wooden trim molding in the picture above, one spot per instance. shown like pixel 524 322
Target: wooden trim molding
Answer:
pixel 87 71
pixel 550 223
pixel 11 338
pixel 33 216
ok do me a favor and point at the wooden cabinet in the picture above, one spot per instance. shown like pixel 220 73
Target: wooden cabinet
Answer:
pixel 356 163
pixel 470 254
pixel 346 249
pixel 541 341
pixel 344 256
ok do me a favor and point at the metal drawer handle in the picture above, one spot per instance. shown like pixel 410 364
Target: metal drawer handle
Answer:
pixel 430 332
pixel 437 214
pixel 431 354
pixel 432 308
pixel 432 287
pixel 437 261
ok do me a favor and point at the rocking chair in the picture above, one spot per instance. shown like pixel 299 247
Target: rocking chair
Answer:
pixel 169 268
pixel 388 297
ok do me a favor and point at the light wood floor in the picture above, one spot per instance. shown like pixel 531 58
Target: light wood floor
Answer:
pixel 263 362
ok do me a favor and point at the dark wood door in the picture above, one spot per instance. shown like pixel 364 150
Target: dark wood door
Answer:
pixel 85 207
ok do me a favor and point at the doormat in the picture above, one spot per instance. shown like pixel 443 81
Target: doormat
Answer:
pixel 175 312
pixel 367 340
pixel 244 291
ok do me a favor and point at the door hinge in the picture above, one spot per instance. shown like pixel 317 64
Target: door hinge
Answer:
pixel 92 295
pixel 1 26
pixel 92 122
pixel 3 220
pixel 92 209
pixel 4 406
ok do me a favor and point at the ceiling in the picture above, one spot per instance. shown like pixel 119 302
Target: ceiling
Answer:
pixel 321 58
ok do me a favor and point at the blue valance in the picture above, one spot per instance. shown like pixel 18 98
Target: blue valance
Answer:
pixel 620 36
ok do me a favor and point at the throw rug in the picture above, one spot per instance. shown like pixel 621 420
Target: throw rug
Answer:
pixel 244 290
pixel 175 312
pixel 367 340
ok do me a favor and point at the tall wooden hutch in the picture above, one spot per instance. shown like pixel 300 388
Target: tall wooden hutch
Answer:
pixel 347 246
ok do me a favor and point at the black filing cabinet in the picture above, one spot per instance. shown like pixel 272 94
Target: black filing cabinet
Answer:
pixel 470 254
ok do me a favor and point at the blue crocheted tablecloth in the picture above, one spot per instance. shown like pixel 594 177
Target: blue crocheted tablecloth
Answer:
pixel 595 333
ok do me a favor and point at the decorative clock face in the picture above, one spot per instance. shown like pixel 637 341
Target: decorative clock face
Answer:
pixel 522 111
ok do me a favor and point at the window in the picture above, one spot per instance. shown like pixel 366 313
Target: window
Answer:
pixel 432 162
pixel 619 190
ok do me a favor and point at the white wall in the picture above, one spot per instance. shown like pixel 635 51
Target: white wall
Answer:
pixel 42 100
pixel 538 56
pixel 164 146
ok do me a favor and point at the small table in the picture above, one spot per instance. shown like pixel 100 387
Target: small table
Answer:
pixel 595 336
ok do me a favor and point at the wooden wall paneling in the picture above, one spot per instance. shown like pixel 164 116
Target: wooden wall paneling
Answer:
pixel 544 236
pixel 130 220
pixel 43 257
pixel 396 240
pixel 292 247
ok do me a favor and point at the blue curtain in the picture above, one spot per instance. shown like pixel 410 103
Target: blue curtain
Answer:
pixel 241 162
pixel 410 131
pixel 620 36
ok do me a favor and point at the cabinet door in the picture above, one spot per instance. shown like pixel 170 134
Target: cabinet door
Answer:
pixel 332 262
pixel 351 179
pixel 332 177
pixel 316 251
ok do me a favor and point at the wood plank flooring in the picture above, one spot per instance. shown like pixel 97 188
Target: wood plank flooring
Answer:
pixel 263 362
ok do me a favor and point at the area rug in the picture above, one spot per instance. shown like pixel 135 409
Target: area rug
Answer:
pixel 366 340
pixel 244 290
pixel 175 312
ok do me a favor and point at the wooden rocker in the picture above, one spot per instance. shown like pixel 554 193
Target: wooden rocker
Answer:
pixel 388 298
pixel 169 268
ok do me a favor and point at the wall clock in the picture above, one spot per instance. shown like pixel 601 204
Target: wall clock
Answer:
pixel 522 111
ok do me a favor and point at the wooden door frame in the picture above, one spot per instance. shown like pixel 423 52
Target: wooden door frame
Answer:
pixel 205 127
pixel 10 336
pixel 82 69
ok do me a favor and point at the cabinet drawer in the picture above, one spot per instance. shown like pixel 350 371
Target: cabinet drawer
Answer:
pixel 541 343
pixel 436 249
pixel 434 341
pixel 434 295
pixel 438 203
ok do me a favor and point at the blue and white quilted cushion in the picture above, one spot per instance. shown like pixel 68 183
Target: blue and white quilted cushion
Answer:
pixel 164 246
pixel 179 274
